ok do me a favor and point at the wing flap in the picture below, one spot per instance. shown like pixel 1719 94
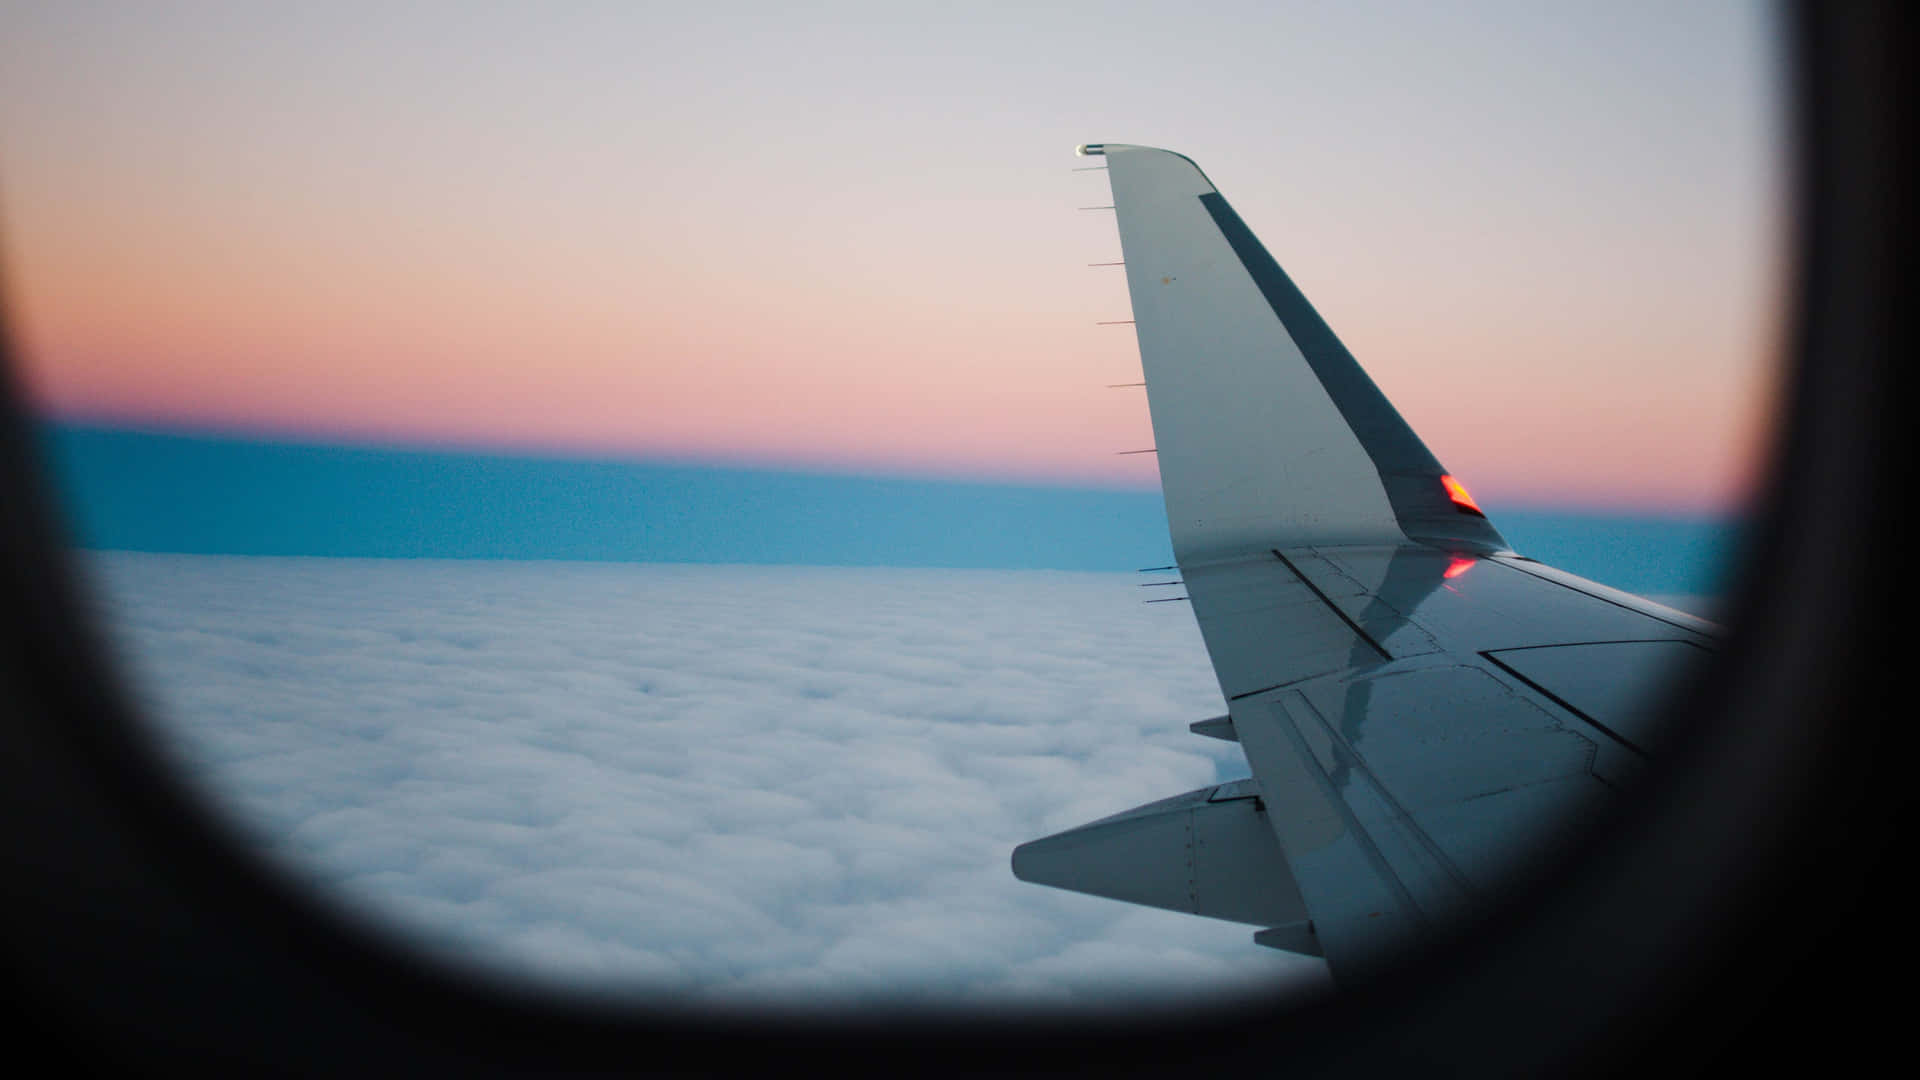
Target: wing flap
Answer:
pixel 1406 793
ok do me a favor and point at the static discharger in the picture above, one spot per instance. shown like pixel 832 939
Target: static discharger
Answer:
pixel 1148 450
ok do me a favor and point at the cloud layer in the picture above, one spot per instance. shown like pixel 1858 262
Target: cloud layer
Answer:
pixel 738 785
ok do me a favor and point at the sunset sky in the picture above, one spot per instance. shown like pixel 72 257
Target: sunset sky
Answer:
pixel 401 360
pixel 845 236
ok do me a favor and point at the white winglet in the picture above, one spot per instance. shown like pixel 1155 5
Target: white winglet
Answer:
pixel 1269 433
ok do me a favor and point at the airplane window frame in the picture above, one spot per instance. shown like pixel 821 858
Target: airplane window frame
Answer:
pixel 139 938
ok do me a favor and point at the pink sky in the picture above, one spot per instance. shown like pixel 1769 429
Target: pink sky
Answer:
pixel 853 244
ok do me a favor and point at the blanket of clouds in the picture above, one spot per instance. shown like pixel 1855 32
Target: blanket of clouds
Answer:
pixel 737 786
pixel 734 785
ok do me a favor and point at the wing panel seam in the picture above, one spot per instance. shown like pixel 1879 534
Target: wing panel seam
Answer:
pixel 1331 606
pixel 1357 762
pixel 1369 848
pixel 1603 729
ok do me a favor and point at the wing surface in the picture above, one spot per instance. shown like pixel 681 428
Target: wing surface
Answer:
pixel 1420 706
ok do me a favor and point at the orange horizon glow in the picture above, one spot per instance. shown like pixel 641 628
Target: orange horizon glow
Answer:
pixel 374 231
pixel 275 337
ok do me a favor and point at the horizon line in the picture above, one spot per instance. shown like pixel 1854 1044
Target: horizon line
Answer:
pixel 554 454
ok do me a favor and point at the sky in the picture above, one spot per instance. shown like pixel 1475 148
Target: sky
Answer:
pixel 845 237
pixel 597 283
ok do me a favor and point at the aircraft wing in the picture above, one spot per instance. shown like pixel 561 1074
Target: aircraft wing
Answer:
pixel 1420 706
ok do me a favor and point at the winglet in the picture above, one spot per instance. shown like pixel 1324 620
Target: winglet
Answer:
pixel 1270 435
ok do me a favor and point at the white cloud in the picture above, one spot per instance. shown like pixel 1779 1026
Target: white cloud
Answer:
pixel 733 784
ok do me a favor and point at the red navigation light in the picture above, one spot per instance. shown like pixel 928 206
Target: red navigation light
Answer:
pixel 1457 567
pixel 1458 493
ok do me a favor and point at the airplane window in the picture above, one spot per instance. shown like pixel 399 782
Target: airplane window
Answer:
pixel 583 492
